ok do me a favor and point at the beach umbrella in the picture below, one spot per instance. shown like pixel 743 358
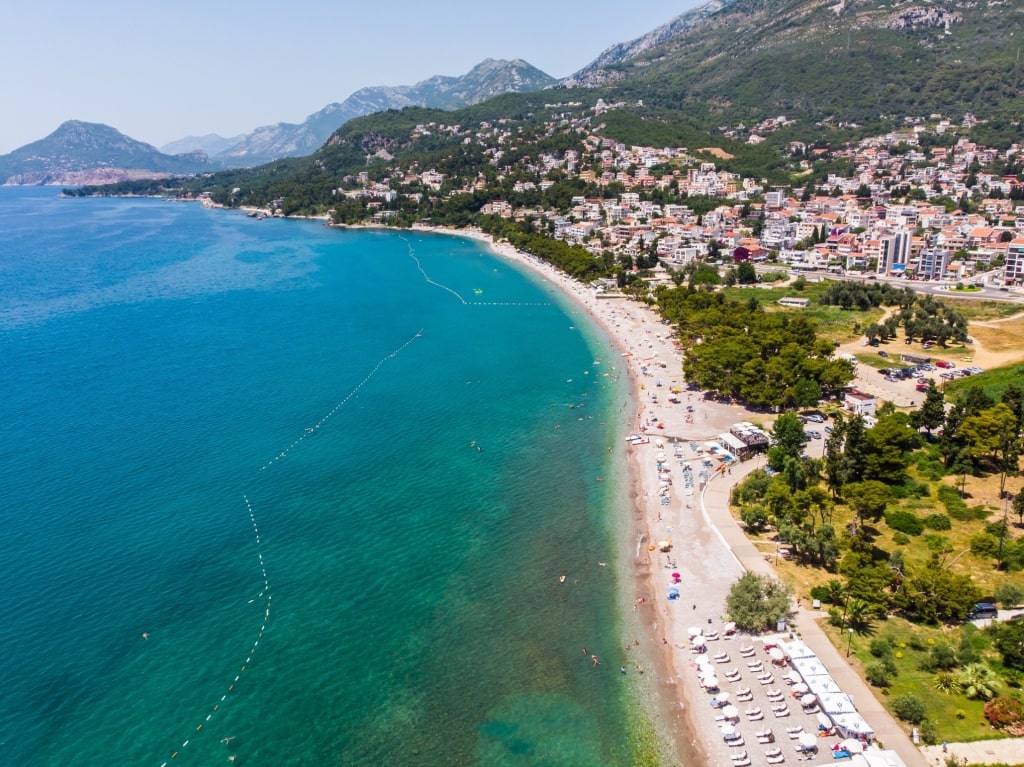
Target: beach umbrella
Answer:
pixel 807 740
pixel 694 631
pixel 698 641
pixel 776 654
pixel 731 712
pixel 807 700
pixel 710 682
pixel 723 697
pixel 794 677
pixel 800 689
pixel 728 731
pixel 676 576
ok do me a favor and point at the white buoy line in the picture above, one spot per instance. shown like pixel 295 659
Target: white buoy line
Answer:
pixel 259 551
pixel 429 281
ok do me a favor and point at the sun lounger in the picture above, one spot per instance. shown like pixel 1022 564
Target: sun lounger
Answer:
pixel 773 751
pixel 755 714
pixel 765 679
pixel 738 755
pixel 781 712
pixel 747 651
pixel 774 694
pixel 735 742
pixel 755 665
pixel 777 759
pixel 795 732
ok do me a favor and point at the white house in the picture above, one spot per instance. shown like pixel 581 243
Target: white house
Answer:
pixel 859 403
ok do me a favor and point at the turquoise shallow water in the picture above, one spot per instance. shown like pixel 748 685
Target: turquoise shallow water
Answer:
pixel 256 443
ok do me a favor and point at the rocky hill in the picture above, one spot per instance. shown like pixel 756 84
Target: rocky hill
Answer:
pixel 84 153
pixel 838 61
pixel 488 79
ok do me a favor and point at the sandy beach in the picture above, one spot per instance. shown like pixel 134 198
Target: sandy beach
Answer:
pixel 708 550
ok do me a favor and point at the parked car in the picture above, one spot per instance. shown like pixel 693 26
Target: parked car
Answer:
pixel 814 434
pixel 983 610
pixel 945 364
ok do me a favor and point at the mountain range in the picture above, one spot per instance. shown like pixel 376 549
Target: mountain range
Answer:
pixel 723 68
pixel 487 79
pixel 80 152
pixel 91 153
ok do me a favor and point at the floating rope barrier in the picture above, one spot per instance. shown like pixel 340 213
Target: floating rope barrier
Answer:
pixel 429 281
pixel 259 550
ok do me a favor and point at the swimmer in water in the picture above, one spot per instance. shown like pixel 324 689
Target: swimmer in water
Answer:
pixel 145 635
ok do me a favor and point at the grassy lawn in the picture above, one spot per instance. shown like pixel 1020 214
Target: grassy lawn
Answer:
pixel 986 311
pixel 994 382
pixel 957 718
pixel 833 324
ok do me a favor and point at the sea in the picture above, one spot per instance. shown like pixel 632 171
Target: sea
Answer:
pixel 273 493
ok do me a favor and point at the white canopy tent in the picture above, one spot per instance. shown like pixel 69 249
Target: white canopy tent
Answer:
pixel 824 685
pixel 837 704
pixel 809 667
pixel 797 649
pixel 853 726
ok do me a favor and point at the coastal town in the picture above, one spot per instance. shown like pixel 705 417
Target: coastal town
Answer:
pixel 922 203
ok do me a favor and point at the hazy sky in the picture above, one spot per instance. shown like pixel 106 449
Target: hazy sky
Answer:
pixel 161 71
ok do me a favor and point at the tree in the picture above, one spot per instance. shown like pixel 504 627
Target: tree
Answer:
pixel 788 440
pixel 858 616
pixel 933 412
pixel 745 273
pixel 806 393
pixel 1010 643
pixel 1018 508
pixel 993 434
pixel 933 593
pixel 757 602
pixel 867 499
pixel 963 464
pixel 888 448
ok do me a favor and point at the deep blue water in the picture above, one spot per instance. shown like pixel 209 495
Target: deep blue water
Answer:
pixel 334 476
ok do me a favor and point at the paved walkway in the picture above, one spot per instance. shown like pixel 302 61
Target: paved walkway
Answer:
pixel 714 501
pixel 1006 751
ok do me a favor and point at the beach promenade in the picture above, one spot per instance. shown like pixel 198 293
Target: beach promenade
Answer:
pixel 708 549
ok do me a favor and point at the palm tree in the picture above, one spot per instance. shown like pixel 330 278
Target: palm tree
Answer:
pixel 858 615
pixel 978 681
pixel 837 590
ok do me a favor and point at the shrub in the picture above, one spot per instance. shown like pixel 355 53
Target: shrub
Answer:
pixel 940 656
pixel 877 674
pixel 909 708
pixel 911 489
pixel 937 543
pixel 901 539
pixel 984 544
pixel 1006 714
pixel 820 593
pixel 1009 594
pixel 937 521
pixel 917 643
pixel 905 522
pixel 955 506
pixel 928 732
pixel 880 647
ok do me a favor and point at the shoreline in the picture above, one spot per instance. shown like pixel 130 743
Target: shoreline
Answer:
pixel 700 554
